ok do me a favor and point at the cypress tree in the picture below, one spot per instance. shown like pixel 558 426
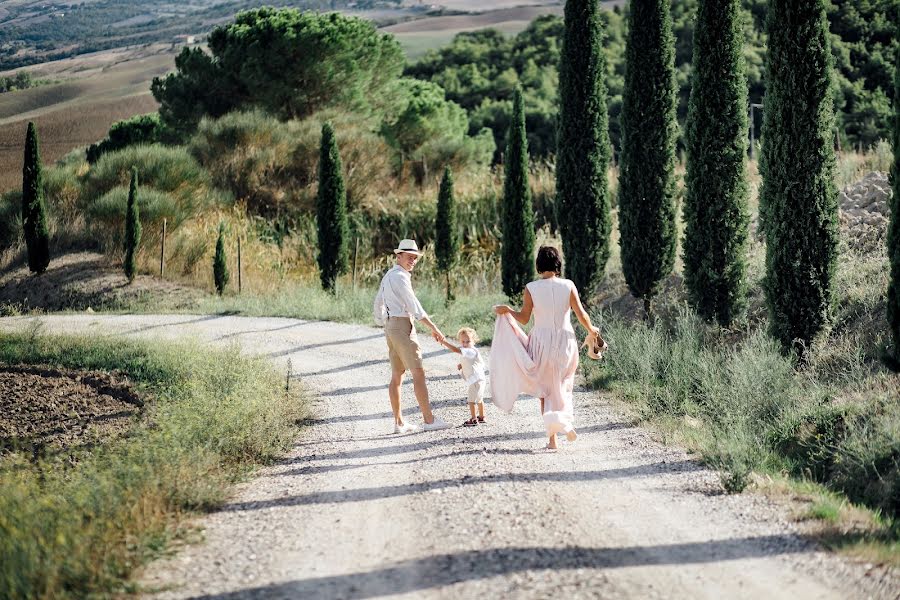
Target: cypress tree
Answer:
pixel 715 209
pixel 34 213
pixel 583 148
pixel 649 130
pixel 132 228
pixel 798 197
pixel 331 212
pixel 517 247
pixel 446 242
pixel 893 238
pixel 220 263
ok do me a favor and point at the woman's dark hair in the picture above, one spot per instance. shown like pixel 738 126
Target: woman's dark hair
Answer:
pixel 548 260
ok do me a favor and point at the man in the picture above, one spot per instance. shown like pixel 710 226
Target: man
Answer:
pixel 396 306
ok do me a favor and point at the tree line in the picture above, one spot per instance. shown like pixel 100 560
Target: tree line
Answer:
pixel 480 69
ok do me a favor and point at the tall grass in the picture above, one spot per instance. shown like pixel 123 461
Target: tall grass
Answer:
pixel 747 408
pixel 79 531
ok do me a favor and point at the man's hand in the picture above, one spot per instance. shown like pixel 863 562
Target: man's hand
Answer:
pixel 438 336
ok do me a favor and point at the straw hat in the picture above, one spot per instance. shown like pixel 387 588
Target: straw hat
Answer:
pixel 409 246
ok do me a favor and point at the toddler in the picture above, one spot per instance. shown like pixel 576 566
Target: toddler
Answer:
pixel 471 368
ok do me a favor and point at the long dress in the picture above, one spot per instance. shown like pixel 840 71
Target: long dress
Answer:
pixel 540 364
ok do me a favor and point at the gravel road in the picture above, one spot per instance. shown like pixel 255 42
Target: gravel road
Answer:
pixel 353 511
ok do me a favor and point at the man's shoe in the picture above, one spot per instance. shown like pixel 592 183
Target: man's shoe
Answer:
pixel 438 423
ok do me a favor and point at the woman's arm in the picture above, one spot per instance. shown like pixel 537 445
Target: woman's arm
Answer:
pixel 580 313
pixel 522 316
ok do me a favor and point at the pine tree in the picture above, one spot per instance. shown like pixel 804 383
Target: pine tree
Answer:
pixel 220 263
pixel 893 239
pixel 132 228
pixel 647 168
pixel 517 246
pixel 583 148
pixel 34 213
pixel 715 209
pixel 798 197
pixel 446 242
pixel 331 212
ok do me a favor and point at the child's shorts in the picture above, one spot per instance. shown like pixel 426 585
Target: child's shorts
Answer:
pixel 476 392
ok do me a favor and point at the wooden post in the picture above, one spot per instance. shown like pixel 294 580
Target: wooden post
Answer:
pixel 355 253
pixel 239 264
pixel 162 252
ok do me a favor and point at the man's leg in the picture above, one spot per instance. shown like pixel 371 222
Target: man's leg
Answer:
pixel 394 394
pixel 421 389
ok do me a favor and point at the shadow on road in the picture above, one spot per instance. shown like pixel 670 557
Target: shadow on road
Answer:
pixel 448 569
pixel 393 491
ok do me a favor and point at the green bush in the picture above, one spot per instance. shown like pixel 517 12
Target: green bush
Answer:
pixel 163 168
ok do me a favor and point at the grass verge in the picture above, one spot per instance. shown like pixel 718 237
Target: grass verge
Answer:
pixel 79 531
pixel 741 403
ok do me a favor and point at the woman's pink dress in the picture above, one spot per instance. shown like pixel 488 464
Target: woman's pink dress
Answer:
pixel 541 364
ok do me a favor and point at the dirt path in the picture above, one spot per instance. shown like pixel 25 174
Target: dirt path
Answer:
pixel 355 512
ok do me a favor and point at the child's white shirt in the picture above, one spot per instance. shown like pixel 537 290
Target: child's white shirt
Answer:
pixel 472 365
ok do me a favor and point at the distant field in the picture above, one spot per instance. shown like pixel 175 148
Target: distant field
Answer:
pixel 421 35
pixel 96 90
pixel 62 130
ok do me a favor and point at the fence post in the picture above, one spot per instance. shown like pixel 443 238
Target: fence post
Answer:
pixel 162 252
pixel 239 264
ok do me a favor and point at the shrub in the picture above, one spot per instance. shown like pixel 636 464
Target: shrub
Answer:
pixel 34 213
pixel 220 262
pixel 132 229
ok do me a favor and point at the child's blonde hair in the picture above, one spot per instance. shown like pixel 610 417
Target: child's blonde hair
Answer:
pixel 468 331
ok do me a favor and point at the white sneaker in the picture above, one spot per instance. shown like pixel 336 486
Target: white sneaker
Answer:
pixel 438 423
pixel 405 428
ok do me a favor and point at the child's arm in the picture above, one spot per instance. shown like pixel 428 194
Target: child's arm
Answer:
pixel 451 347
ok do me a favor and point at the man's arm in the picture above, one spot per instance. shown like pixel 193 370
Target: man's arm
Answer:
pixel 414 308
pixel 378 308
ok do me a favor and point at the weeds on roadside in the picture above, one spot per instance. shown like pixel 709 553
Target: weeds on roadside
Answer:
pixel 79 531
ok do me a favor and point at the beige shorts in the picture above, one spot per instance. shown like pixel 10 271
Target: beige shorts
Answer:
pixel 403 344
pixel 476 392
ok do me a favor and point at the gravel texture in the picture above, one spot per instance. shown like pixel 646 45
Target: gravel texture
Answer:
pixel 354 511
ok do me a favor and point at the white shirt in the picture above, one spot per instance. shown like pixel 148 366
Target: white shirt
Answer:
pixel 472 365
pixel 396 298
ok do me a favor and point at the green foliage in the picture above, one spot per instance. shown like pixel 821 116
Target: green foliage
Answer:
pixel 331 213
pixel 34 213
pixel 220 262
pixel 715 211
pixel 649 130
pixel 893 237
pixel 798 197
pixel 77 531
pixel 582 189
pixel 517 244
pixel 424 115
pixel 287 62
pixel 272 165
pixel 480 71
pixel 132 228
pixel 446 239
pixel 141 129
pixel 746 408
pixel 20 81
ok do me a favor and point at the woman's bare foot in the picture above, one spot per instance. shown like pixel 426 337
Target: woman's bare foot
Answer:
pixel 551 445
pixel 571 435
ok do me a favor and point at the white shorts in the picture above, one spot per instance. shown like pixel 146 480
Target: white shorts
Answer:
pixel 476 393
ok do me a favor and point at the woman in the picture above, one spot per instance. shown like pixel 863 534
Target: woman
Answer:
pixel 542 364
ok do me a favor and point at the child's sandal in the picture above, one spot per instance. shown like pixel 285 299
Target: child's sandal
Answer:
pixel 481 419
pixel 470 423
